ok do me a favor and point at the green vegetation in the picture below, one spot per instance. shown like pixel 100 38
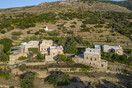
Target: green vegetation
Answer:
pixel 7 43
pixel 25 20
pixel 127 3
pixel 4 75
pixel 3 57
pixel 98 26
pixel 22 58
pixel 3 31
pixel 17 33
pixel 116 58
pixel 33 50
pixel 58 79
pixel 70 46
pixel 53 33
pixel 27 80
pixel 120 24
pixel 22 68
pixel 65 59
pixel 39 56
pixel 72 26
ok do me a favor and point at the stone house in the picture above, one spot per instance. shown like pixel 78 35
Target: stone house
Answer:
pixel 50 52
pixel 54 51
pixel 22 50
pixel 108 49
pixel 113 49
pixel 92 57
pixel 44 46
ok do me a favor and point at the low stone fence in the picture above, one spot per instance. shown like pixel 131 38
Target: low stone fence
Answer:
pixel 65 69
pixel 35 63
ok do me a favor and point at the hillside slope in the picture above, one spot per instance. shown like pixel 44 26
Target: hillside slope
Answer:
pixel 65 6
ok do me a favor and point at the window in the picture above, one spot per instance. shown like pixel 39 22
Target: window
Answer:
pixel 102 65
pixel 87 57
pixel 91 58
pixel 95 59
pixel 94 63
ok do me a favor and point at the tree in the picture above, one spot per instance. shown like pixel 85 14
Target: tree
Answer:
pixel 27 80
pixel 7 43
pixel 62 58
pixel 58 79
pixel 3 57
pixel 79 39
pixel 62 41
pixel 70 48
pixel 40 56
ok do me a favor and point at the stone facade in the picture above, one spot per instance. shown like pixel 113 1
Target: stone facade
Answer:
pixel 92 57
pixel 50 52
pixel 113 49
pixel 108 49
pixel 54 51
pixel 45 45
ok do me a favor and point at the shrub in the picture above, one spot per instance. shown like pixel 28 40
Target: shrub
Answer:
pixel 58 79
pixel 27 80
pixel 3 57
pixel 17 33
pixel 33 50
pixel 3 31
pixel 37 33
pixel 40 56
pixel 98 26
pixel 72 26
pixel 42 30
pixel 29 32
pixel 70 32
pixel 53 33
pixel 14 37
pixel 22 68
pixel 22 58
pixel 61 58
pixel 7 43
pixel 4 75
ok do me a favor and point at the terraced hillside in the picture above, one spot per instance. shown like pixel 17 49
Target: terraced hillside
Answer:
pixel 96 23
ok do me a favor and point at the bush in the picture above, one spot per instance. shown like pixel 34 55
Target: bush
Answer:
pixel 37 33
pixel 22 58
pixel 7 43
pixel 98 26
pixel 3 31
pixel 58 79
pixel 40 56
pixel 22 68
pixel 14 37
pixel 53 33
pixel 3 57
pixel 42 30
pixel 4 75
pixel 61 58
pixel 17 33
pixel 27 80
pixel 33 50
pixel 70 32
pixel 72 26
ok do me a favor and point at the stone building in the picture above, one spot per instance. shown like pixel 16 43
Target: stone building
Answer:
pixel 113 49
pixel 92 57
pixel 50 52
pixel 22 50
pixel 54 51
pixel 45 45
pixel 108 49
